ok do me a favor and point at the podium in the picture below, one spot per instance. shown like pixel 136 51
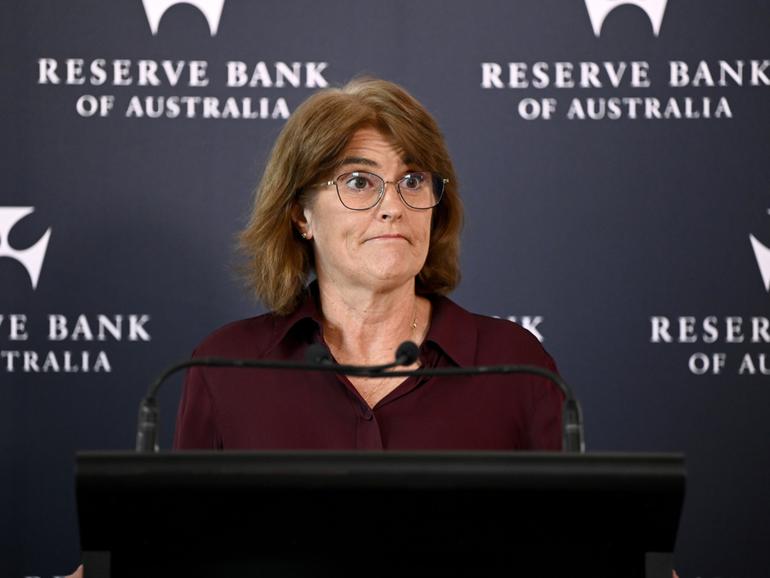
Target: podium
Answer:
pixel 350 513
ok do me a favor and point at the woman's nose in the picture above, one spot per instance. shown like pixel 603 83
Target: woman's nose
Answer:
pixel 390 205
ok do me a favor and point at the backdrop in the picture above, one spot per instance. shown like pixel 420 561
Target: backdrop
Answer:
pixel 612 156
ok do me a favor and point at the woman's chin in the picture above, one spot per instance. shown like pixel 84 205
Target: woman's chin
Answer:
pixel 390 278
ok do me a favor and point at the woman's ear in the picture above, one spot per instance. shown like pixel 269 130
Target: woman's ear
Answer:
pixel 299 218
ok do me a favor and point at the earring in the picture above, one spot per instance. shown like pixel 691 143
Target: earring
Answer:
pixel 303 235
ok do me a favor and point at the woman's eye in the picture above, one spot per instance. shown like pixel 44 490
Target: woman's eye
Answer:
pixel 358 183
pixel 413 181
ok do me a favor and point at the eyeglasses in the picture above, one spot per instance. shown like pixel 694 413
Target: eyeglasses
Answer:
pixel 360 190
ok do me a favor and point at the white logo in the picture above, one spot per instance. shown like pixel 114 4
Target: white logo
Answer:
pixel 31 258
pixel 599 9
pixel 211 9
pixel 762 254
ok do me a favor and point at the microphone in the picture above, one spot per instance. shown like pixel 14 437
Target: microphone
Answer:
pixel 407 353
pixel 318 358
pixel 318 353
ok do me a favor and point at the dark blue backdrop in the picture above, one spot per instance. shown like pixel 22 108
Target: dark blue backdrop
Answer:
pixel 607 228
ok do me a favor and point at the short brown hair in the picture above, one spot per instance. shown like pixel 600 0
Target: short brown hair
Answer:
pixel 309 148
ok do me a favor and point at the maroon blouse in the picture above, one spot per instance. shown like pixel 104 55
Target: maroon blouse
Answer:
pixel 270 409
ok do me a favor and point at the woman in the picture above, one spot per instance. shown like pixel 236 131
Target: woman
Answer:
pixel 360 192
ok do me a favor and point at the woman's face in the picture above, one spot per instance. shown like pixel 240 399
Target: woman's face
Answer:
pixel 380 248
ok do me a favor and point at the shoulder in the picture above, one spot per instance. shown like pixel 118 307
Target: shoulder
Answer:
pixel 501 340
pixel 243 338
pixel 493 331
pixel 496 340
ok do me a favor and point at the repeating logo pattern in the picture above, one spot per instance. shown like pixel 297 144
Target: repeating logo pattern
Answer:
pixel 598 10
pixel 211 9
pixel 32 257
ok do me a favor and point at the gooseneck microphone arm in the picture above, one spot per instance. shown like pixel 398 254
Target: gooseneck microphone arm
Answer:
pixel 320 360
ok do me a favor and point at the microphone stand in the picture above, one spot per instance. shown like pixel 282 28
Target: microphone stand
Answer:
pixel 572 416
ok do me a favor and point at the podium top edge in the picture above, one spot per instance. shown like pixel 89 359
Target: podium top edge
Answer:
pixel 379 456
pixel 611 463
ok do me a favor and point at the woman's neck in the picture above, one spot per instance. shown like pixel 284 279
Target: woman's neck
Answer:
pixel 365 327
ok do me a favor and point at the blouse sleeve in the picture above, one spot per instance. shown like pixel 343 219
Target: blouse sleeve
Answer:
pixel 545 419
pixel 195 422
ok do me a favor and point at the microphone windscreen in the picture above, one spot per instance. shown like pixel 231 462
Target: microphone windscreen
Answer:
pixel 317 353
pixel 407 353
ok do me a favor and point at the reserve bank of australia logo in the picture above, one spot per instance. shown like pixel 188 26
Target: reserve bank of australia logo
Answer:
pixel 762 254
pixel 211 9
pixel 30 258
pixel 598 10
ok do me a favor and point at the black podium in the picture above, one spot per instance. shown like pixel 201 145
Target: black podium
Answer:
pixel 375 514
